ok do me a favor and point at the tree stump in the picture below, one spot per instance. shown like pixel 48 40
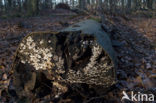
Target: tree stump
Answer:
pixel 81 53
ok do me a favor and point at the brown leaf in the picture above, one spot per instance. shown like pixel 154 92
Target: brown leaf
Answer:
pixel 2 67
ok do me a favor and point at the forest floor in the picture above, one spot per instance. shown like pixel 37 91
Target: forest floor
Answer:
pixel 135 46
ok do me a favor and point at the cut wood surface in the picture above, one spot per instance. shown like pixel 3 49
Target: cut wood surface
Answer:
pixel 81 53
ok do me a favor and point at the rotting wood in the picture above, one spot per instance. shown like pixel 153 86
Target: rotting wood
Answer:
pixel 81 53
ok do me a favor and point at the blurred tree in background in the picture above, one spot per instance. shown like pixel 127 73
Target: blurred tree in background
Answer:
pixel 33 7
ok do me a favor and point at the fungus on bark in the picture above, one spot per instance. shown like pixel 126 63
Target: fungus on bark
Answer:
pixel 81 53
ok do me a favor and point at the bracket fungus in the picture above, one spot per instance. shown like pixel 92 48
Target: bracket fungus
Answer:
pixel 81 53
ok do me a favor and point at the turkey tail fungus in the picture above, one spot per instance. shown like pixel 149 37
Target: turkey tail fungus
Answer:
pixel 81 53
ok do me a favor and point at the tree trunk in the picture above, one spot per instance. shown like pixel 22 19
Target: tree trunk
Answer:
pixel 123 6
pixel 106 5
pixel 19 5
pixel 110 6
pixel 9 3
pixel 82 4
pixel 135 2
pixel 33 7
pixel 88 2
pixel 1 6
pixel 129 3
pixel 100 3
pixel 82 53
pixel 150 4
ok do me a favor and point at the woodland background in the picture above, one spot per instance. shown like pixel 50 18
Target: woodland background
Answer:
pixel 131 24
pixel 22 8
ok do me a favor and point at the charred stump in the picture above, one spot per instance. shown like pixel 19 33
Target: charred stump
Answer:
pixel 80 54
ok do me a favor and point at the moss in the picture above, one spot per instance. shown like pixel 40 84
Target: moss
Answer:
pixel 96 19
pixel 4 16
